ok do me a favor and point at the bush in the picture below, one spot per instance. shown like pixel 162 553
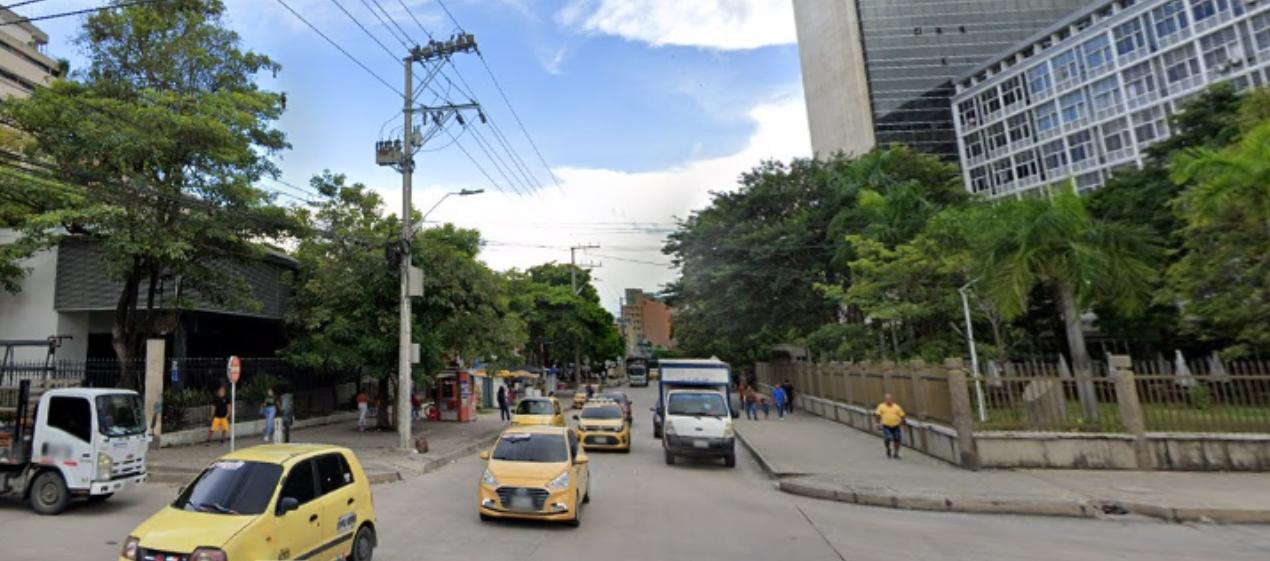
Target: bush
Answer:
pixel 1199 396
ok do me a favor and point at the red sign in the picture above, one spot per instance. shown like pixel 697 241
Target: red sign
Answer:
pixel 234 369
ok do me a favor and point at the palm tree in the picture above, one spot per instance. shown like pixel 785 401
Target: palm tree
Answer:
pixel 1054 242
pixel 1232 182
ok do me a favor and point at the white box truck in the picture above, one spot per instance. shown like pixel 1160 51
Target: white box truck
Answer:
pixel 693 416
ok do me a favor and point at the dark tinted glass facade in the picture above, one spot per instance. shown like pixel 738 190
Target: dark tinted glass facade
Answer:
pixel 915 49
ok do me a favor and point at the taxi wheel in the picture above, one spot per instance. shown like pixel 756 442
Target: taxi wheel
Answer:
pixel 587 497
pixel 49 494
pixel 486 517
pixel 364 544
pixel 577 516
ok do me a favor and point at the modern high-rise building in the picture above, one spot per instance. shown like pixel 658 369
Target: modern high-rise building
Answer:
pixel 645 323
pixel 1086 95
pixel 881 71
pixel 23 64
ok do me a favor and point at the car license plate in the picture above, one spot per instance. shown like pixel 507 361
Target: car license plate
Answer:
pixel 522 503
pixel 700 444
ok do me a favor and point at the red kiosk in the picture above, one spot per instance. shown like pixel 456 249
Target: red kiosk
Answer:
pixel 454 397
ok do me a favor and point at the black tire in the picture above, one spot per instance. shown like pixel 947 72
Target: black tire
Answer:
pixel 670 458
pixel 49 495
pixel 98 499
pixel 587 497
pixel 730 460
pixel 577 516
pixel 656 431
pixel 363 544
pixel 486 517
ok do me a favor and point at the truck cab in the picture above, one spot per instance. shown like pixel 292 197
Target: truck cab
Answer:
pixel 693 416
pixel 78 442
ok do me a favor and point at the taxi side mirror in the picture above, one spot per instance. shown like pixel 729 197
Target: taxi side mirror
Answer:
pixel 484 454
pixel 287 504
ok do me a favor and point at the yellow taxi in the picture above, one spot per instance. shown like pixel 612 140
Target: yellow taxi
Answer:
pixel 538 411
pixel 602 426
pixel 278 501
pixel 535 473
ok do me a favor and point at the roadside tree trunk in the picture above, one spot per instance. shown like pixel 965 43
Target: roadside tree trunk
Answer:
pixel 1081 365
pixel 123 331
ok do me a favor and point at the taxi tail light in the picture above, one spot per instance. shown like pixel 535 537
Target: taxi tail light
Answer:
pixel 208 554
pixel 130 546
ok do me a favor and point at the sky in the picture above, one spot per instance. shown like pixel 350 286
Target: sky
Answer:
pixel 640 109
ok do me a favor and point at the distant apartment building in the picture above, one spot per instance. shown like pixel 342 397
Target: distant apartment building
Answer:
pixel 645 323
pixel 23 64
pixel 877 72
pixel 1085 96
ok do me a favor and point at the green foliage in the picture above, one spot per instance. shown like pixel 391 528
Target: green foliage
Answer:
pixel 1199 396
pixel 559 323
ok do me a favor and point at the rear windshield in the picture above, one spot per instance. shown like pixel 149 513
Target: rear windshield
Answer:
pixel 618 397
pixel 602 413
pixel 120 415
pixel 231 487
pixel 694 404
pixel 535 407
pixel 522 447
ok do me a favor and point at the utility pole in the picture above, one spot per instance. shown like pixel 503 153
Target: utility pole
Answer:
pixel 573 280
pixel 399 154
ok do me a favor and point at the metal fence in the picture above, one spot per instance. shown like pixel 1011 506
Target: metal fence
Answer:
pixel 1046 403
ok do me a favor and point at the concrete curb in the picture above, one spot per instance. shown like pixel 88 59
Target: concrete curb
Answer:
pixel 454 455
pixel 763 463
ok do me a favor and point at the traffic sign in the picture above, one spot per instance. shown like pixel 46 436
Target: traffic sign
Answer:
pixel 234 369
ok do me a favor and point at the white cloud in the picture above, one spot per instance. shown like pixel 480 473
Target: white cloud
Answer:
pixel 552 60
pixel 714 24
pixel 526 232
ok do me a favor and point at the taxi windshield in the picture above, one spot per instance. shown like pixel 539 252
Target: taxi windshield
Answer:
pixel 602 413
pixel 231 487
pixel 120 415
pixel 523 447
pixel 535 407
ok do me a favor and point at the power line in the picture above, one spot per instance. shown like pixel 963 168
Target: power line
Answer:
pixel 391 19
pixel 480 168
pixel 368 33
pixel 76 12
pixel 385 23
pixel 20 4
pixel 636 261
pixel 342 50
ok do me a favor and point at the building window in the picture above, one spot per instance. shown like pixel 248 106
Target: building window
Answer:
pixel 1220 46
pixel 996 137
pixel 1012 91
pixel 1046 116
pixel 974 145
pixel 1073 107
pixel 1097 52
pixel 979 179
pixel 1039 82
pixel 990 102
pixel 1139 80
pixel 1204 9
pixel 1149 125
pixel 1026 165
pixel 969 112
pixel 1002 172
pixel 1106 93
pixel 1129 37
pixel 1019 127
pixel 1080 146
pixel 1089 181
pixel 1180 64
pixel 1261 30
pixel 1054 156
pixel 1170 19
pixel 1115 136
pixel 1066 66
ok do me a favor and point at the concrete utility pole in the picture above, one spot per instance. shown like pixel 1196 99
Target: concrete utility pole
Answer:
pixel 399 154
pixel 573 280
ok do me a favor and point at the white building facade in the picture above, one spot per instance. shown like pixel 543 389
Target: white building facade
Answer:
pixel 1087 96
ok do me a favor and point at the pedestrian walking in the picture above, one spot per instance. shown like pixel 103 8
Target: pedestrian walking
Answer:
pixel 778 399
pixel 504 413
pixel 363 409
pixel 789 396
pixel 751 408
pixel 220 415
pixel 890 417
pixel 269 409
pixel 762 399
pixel 416 406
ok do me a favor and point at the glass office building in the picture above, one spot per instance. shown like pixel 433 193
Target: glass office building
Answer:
pixel 1087 95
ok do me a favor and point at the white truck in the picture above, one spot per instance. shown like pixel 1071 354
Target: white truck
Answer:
pixel 693 416
pixel 59 443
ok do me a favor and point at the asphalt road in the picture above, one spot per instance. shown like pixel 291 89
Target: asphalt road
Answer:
pixel 644 509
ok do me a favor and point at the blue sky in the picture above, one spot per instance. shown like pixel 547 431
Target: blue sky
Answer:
pixel 641 107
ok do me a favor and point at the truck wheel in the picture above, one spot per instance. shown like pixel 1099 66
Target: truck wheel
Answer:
pixel 48 493
pixel 98 499
pixel 670 458
pixel 730 460
pixel 656 431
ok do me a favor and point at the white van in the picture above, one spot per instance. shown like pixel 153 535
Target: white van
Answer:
pixel 693 415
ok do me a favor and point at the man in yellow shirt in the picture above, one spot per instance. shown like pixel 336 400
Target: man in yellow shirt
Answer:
pixel 890 416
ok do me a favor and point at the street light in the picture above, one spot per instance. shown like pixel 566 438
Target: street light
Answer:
pixel 974 356
pixel 461 193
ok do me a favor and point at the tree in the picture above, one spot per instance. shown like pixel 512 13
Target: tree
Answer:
pixel 1055 243
pixel 164 133
pixel 1223 280
pixel 560 323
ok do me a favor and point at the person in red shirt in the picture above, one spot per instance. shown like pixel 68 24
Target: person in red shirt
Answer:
pixel 363 408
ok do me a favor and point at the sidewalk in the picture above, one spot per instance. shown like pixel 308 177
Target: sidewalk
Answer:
pixel 819 458
pixel 377 450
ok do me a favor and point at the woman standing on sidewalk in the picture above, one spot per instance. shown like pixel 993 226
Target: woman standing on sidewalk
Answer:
pixel 270 411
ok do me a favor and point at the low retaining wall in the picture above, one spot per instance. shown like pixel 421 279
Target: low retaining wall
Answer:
pixel 931 439
pixel 249 429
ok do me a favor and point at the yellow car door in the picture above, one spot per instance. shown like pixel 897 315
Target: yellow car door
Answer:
pixel 339 500
pixel 298 514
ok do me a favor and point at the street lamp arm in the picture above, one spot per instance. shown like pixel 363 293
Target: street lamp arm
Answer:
pixel 461 193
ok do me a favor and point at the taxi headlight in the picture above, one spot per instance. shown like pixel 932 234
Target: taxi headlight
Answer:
pixel 130 548
pixel 488 479
pixel 560 483
pixel 208 554
pixel 104 465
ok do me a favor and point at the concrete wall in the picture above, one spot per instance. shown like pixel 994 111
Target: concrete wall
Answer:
pixel 931 439
pixel 247 429
pixel 835 85
pixel 29 313
pixel 1211 452
pixel 1055 450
